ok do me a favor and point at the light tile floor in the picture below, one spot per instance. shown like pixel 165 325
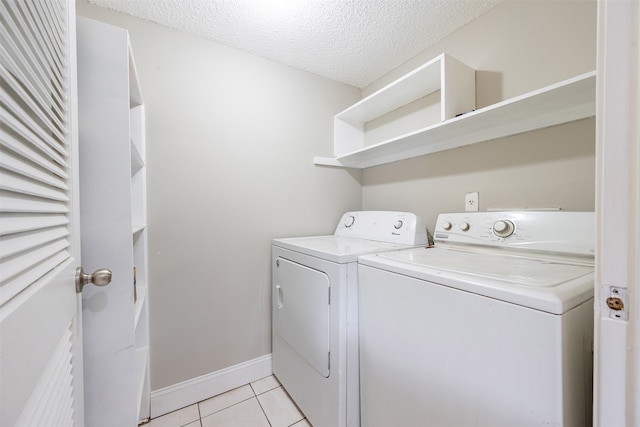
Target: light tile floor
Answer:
pixel 262 403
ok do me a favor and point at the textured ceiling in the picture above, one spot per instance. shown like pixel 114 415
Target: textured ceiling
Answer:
pixel 351 41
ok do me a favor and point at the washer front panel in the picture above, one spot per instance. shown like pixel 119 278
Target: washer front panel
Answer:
pixel 434 355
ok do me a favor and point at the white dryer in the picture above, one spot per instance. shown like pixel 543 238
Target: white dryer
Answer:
pixel 315 310
pixel 492 327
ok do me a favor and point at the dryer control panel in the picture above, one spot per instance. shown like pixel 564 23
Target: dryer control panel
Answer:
pixel 549 231
pixel 383 226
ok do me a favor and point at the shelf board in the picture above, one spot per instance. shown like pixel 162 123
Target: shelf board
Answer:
pixel 142 360
pixel 138 228
pixel 137 162
pixel 422 81
pixel 135 95
pixel 563 102
pixel 141 292
pixel 136 128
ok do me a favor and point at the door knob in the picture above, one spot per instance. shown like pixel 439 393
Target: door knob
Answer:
pixel 101 277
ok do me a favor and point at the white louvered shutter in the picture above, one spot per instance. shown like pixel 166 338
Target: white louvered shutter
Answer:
pixel 34 112
pixel 40 313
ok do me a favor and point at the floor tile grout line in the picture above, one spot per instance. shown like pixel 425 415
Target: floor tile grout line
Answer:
pixel 199 414
pixel 255 396
pixel 227 407
pixel 237 403
pixel 263 411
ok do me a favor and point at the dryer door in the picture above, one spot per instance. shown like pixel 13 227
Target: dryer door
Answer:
pixel 301 315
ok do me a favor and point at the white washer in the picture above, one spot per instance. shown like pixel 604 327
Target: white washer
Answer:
pixel 315 311
pixel 492 327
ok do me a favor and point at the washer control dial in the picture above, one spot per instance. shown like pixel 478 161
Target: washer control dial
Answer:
pixel 398 224
pixel 349 221
pixel 447 226
pixel 503 228
pixel 464 226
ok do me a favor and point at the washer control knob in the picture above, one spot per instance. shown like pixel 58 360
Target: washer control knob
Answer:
pixel 398 225
pixel 447 226
pixel 464 226
pixel 503 228
pixel 349 221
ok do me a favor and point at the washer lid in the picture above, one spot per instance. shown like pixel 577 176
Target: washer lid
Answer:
pixel 550 284
pixel 527 271
pixel 337 249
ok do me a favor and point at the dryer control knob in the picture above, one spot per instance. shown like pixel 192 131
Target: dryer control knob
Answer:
pixel 464 226
pixel 349 221
pixel 503 228
pixel 447 226
pixel 398 225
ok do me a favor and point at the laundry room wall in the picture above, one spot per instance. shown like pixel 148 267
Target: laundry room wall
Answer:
pixel 516 47
pixel 230 145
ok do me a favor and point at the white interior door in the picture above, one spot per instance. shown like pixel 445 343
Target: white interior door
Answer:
pixel 112 386
pixel 40 311
pixel 617 331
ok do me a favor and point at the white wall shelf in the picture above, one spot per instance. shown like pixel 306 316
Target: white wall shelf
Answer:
pixel 454 80
pixel 563 102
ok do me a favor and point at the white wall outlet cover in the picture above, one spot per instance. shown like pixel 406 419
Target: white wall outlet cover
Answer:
pixel 471 202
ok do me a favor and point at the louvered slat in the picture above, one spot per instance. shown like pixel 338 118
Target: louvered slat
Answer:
pixel 47 412
pixel 23 23
pixel 24 59
pixel 56 388
pixel 60 21
pixel 34 194
pixel 10 181
pixel 18 264
pixel 18 63
pixel 18 165
pixel 15 119
pixel 53 38
pixel 46 116
pixel 52 44
pixel 20 43
pixel 16 269
pixel 16 243
pixel 23 123
pixel 21 222
pixel 16 202
pixel 42 46
pixel 17 145
pixel 58 37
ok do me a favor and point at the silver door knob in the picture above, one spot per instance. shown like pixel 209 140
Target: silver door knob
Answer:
pixel 101 277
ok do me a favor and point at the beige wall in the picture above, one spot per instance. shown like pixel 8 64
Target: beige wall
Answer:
pixel 230 145
pixel 516 47
pixel 231 139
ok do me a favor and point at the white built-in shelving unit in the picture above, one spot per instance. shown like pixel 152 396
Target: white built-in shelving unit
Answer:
pixel 460 124
pixel 139 242
pixel 114 227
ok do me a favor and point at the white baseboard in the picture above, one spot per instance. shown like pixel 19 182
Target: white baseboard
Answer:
pixel 174 397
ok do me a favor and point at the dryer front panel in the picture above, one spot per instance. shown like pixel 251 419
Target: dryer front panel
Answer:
pixel 302 311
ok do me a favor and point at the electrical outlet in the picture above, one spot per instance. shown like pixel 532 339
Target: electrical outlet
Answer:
pixel 471 202
pixel 617 303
